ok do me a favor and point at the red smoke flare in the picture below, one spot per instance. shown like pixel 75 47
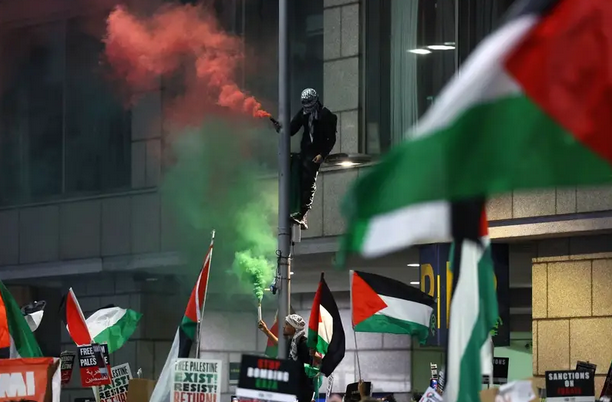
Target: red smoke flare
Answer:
pixel 179 39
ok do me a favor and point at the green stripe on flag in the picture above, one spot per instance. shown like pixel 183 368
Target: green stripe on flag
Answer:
pixel 116 335
pixel 22 337
pixel 383 324
pixel 477 155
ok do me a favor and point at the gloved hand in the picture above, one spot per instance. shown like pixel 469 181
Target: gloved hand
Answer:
pixel 277 124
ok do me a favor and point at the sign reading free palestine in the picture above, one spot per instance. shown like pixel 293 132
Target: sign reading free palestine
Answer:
pixel 196 380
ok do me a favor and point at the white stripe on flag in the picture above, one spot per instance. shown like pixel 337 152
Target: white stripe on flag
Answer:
pixel 427 222
pixel 103 319
pixel 161 392
pixel 464 313
pixel 406 310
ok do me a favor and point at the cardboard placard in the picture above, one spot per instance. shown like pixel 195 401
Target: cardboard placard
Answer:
pixel 500 370
pixel 516 391
pixel 586 366
pixel 94 365
pixel 196 380
pixel 117 391
pixel 140 390
pixel 67 365
pixel 564 384
pixel 29 379
pixel 234 373
pixel 268 379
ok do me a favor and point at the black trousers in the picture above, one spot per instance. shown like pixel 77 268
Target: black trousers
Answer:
pixel 308 180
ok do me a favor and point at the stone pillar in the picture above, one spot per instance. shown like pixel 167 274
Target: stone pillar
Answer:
pixel 572 305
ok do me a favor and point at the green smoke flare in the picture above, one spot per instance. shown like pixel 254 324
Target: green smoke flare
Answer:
pixel 215 182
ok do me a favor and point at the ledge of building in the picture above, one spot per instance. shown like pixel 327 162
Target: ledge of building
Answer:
pixel 510 230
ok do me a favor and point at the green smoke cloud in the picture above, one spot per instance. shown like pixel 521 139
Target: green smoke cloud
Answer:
pixel 215 182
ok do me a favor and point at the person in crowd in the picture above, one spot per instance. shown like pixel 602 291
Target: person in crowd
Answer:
pixel 318 139
pixel 295 330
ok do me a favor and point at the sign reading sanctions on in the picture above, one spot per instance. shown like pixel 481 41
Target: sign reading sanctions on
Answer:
pixel 196 380
pixel 117 391
pixel 579 386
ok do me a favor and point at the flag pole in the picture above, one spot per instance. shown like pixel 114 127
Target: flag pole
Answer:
pixel 209 255
pixel 284 172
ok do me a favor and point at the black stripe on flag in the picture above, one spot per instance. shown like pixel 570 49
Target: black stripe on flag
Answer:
pixel 185 344
pixel 337 345
pixel 390 287
pixel 526 7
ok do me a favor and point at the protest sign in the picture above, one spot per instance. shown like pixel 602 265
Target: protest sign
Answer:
pixel 67 365
pixel 116 391
pixel 196 380
pixel 95 365
pixel 570 384
pixel 500 370
pixel 268 379
pixel 27 379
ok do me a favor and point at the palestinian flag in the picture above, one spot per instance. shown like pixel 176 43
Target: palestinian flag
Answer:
pixel 384 305
pixel 186 333
pixel 73 317
pixel 532 98
pixel 33 313
pixel 112 325
pixel 271 347
pixel 16 337
pixel 325 331
pixel 473 311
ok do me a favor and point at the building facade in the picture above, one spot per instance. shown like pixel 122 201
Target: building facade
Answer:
pixel 81 207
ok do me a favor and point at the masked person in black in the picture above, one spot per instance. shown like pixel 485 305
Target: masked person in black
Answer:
pixel 318 139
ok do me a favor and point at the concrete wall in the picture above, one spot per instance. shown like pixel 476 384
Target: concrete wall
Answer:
pixel 572 305
pixel 550 202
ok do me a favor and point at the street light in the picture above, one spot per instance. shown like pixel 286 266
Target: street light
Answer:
pixel 347 160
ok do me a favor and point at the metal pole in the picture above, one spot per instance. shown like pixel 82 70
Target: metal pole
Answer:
pixel 284 149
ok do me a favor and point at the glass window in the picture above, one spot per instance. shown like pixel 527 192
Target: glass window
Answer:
pixel 98 127
pixel 410 55
pixel 62 130
pixel 413 47
pixel 257 22
pixel 31 135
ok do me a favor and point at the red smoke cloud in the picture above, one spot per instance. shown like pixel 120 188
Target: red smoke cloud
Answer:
pixel 185 40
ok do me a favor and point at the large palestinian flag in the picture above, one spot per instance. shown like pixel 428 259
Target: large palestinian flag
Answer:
pixel 187 331
pixel 473 311
pixel 384 305
pixel 529 109
pixel 325 331
pixel 16 337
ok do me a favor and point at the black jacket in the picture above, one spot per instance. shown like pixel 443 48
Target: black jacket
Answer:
pixel 324 135
pixel 306 390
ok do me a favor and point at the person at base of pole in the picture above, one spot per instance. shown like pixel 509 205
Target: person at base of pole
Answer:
pixel 295 329
pixel 318 139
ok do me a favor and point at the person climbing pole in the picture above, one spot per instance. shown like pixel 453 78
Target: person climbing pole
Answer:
pixel 318 139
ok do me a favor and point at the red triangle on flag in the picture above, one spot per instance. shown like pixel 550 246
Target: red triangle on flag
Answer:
pixel 365 301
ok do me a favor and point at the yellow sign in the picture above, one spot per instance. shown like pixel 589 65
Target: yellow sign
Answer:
pixel 430 284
